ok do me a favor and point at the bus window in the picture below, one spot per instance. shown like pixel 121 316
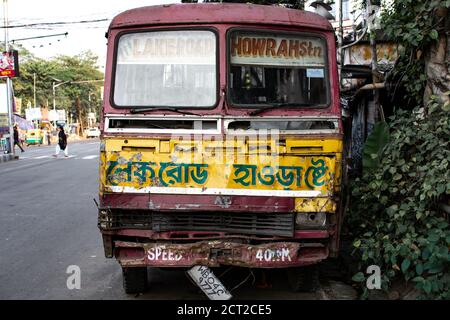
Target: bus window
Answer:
pixel 166 68
pixel 268 68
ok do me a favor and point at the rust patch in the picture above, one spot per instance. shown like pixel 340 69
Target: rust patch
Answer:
pixel 221 252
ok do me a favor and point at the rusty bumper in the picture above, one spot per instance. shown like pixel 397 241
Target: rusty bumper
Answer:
pixel 219 252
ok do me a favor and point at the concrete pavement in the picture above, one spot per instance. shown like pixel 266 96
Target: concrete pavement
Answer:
pixel 48 222
pixel 7 157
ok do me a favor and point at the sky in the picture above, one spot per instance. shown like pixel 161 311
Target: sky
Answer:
pixel 81 37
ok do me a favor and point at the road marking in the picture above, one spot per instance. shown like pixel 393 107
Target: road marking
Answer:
pixel 41 157
pixel 90 157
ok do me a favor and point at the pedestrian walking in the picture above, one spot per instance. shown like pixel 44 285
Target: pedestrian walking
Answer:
pixel 62 143
pixel 17 139
pixel 49 136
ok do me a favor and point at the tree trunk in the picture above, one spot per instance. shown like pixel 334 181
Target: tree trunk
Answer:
pixel 80 117
pixel 437 64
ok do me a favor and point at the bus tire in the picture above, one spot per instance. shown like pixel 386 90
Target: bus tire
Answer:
pixel 303 279
pixel 135 279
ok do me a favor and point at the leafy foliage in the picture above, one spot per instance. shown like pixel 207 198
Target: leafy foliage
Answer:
pixel 65 68
pixel 374 145
pixel 394 214
pixel 414 25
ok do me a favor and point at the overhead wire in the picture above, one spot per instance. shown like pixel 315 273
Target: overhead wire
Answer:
pixel 53 23
pixel 88 24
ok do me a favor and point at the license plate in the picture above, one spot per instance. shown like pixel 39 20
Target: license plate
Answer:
pixel 209 283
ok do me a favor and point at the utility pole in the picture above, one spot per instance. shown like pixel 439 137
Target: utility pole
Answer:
pixel 8 81
pixel 341 44
pixel 34 89
pixel 80 116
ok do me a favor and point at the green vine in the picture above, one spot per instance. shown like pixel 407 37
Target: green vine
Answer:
pixel 414 25
pixel 394 214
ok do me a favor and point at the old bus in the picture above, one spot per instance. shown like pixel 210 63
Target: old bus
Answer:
pixel 221 140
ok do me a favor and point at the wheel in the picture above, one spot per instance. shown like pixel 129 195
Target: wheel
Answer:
pixel 134 279
pixel 303 279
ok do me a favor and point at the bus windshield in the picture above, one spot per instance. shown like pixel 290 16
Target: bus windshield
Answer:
pixel 166 69
pixel 268 68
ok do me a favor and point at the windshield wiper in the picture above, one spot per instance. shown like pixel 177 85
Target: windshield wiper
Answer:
pixel 279 105
pixel 140 110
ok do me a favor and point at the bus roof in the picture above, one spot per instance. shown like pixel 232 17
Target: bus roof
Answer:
pixel 218 13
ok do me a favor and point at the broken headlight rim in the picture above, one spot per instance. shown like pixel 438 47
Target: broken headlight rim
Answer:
pixel 104 220
pixel 311 220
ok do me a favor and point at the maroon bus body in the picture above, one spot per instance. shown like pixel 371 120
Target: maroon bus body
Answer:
pixel 198 245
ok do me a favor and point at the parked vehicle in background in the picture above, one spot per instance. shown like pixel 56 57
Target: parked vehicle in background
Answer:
pixel 34 136
pixel 93 133
pixel 222 140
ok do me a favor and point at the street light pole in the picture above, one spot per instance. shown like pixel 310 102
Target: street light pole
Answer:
pixel 8 81
pixel 54 86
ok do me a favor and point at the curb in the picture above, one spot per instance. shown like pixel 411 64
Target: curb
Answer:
pixel 7 157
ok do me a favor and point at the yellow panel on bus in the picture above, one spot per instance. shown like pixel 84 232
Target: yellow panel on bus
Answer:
pixel 154 166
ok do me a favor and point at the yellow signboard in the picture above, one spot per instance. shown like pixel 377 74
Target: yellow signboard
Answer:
pixel 144 170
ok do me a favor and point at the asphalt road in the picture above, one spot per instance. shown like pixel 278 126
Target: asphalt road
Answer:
pixel 48 222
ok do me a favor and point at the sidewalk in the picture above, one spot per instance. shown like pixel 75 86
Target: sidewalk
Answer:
pixel 7 157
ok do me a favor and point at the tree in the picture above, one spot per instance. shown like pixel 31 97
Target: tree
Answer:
pixel 76 96
pixel 422 28
pixel 437 58
pixel 82 94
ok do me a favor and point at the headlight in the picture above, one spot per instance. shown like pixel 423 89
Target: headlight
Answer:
pixel 311 220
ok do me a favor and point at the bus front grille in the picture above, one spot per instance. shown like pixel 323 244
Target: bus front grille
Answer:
pixel 268 224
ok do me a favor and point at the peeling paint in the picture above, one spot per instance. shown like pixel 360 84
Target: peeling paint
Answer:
pixel 223 201
pixel 136 157
pixel 152 206
pixel 121 160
